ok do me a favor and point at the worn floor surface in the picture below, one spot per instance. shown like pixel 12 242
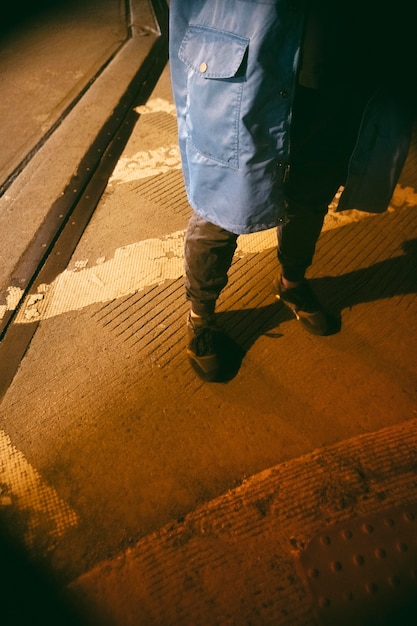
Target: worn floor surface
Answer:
pixel 154 498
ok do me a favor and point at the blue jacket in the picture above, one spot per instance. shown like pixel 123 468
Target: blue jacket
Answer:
pixel 234 70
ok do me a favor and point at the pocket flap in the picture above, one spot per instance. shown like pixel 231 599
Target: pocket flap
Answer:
pixel 212 53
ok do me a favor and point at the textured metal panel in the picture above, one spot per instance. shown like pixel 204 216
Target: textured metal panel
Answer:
pixel 364 572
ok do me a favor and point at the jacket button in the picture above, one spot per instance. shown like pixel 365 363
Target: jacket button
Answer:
pixel 283 93
pixel 203 67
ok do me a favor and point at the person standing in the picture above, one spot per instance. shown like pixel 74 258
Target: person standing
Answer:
pixel 279 103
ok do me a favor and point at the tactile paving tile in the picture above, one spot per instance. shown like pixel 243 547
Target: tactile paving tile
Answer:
pixel 364 572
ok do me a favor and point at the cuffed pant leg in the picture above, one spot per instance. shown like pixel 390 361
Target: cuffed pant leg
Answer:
pixel 208 254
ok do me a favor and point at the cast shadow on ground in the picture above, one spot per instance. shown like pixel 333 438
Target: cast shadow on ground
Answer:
pixel 392 277
pixel 29 594
pixel 241 329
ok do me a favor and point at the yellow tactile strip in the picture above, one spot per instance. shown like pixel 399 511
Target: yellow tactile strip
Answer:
pixel 237 559
pixel 22 489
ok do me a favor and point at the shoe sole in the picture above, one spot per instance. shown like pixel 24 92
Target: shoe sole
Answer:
pixel 304 318
pixel 206 368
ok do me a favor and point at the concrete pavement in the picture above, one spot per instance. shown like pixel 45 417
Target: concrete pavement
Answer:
pixel 328 538
pixel 150 497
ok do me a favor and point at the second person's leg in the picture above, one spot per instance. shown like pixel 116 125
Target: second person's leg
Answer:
pixel 324 130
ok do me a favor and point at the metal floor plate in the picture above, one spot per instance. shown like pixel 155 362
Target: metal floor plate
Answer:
pixel 364 572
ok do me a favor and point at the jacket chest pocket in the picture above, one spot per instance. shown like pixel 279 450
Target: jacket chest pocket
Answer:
pixel 215 62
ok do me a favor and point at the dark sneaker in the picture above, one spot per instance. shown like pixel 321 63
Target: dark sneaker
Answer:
pixel 305 306
pixel 204 346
